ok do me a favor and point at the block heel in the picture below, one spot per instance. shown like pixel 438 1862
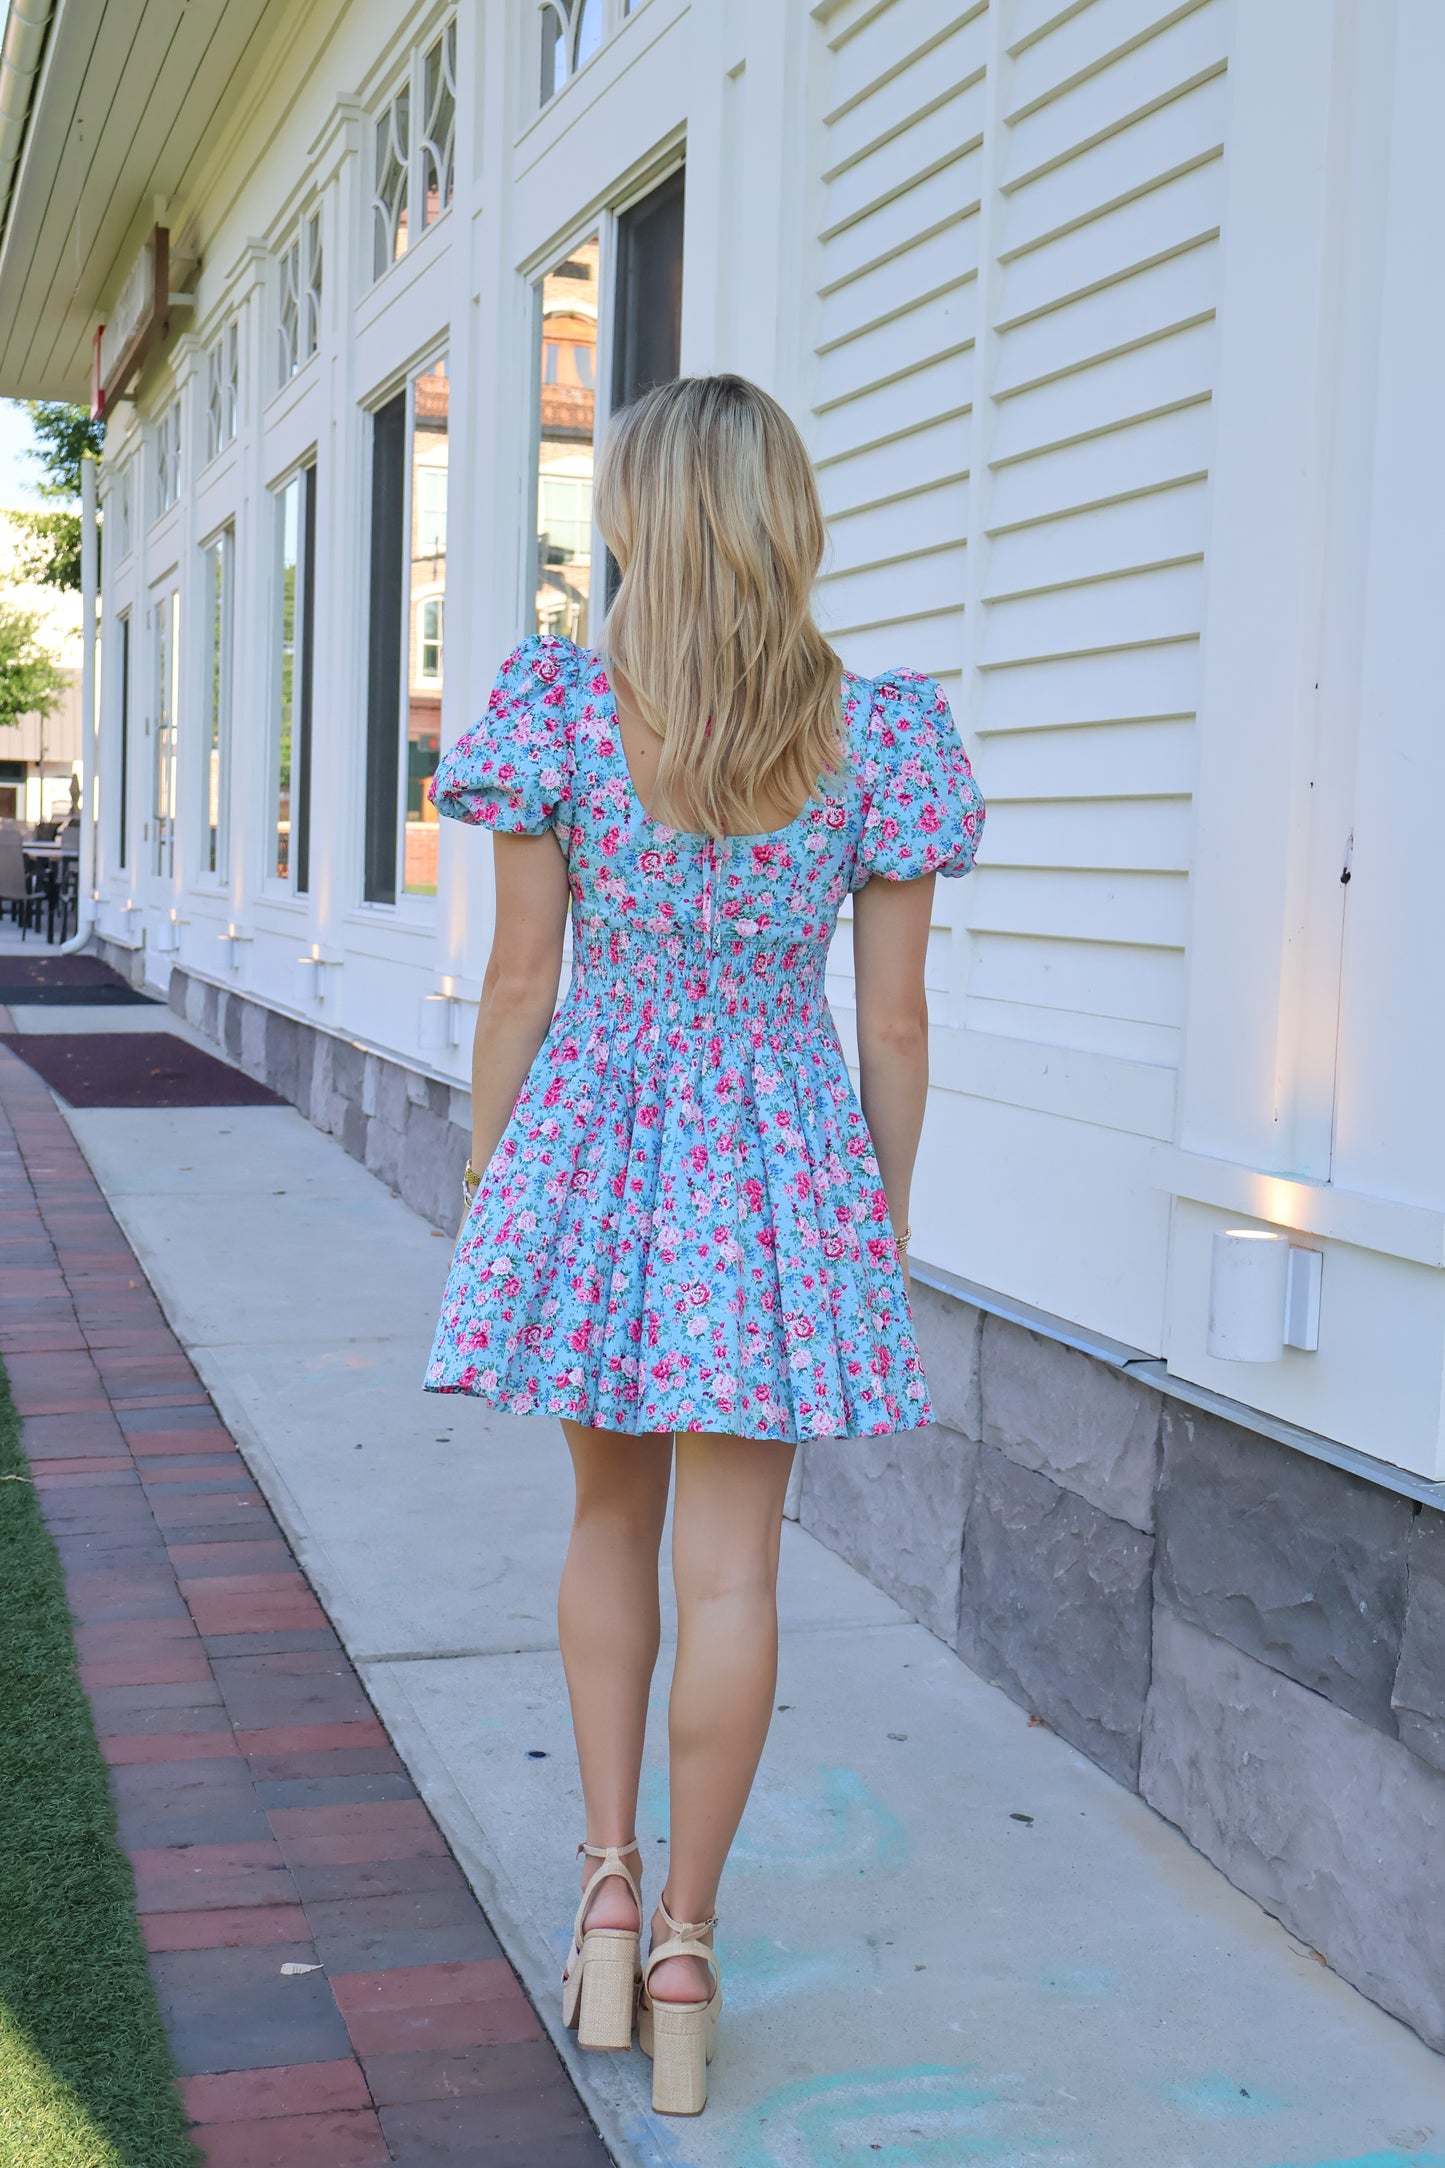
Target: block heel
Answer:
pixel 599 1986
pixel 680 2036
pixel 607 2003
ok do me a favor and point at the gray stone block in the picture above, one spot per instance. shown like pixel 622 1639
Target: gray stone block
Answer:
pixel 230 1023
pixel 895 1508
pixel 383 1151
pixel 353 1130
pixel 211 1010
pixel 416 1089
pixel 253 1037
pixel 459 1108
pixel 433 1153
pixel 348 1070
pixel 948 1333
pixel 1067 1415
pixel 282 1054
pixel 391 1098
pixel 1329 1825
pixel 438 1098
pixel 178 992
pixel 1295 1562
pixel 1419 1693
pixel 1055 1609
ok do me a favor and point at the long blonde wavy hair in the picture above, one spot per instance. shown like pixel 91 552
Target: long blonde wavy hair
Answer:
pixel 706 498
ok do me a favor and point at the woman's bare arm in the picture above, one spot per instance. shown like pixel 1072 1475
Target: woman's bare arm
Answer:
pixel 890 941
pixel 519 991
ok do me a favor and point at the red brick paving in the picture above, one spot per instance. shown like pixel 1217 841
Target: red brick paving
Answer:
pixel 267 1817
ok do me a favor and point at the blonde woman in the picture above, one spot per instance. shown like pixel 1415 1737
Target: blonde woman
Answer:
pixel 688 1240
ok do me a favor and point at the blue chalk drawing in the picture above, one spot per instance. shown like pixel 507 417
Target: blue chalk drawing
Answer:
pixel 924 2117
pixel 835 1825
pixel 763 1972
pixel 1377 2160
pixel 1218 2098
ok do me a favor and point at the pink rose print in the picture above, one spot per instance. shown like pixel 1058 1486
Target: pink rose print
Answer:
pixel 668 1235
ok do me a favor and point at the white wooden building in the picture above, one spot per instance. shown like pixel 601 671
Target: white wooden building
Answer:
pixel 1114 327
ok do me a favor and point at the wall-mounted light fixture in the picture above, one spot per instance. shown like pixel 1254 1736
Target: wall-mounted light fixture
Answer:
pixel 1264 1296
pixel 313 980
pixel 167 937
pixel 439 1025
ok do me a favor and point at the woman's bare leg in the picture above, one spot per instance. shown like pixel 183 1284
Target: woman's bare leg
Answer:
pixel 727 1524
pixel 607 1619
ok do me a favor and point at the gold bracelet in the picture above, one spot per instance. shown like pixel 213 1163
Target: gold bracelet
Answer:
pixel 471 1182
pixel 901 1241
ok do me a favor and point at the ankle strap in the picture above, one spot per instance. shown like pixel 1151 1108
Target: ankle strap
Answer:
pixel 685 1927
pixel 600 1851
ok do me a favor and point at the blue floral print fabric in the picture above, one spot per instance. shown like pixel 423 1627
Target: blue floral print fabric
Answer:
pixel 683 1226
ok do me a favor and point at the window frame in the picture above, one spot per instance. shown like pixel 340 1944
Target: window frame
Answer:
pixel 223 389
pixel 390 633
pixel 294 883
pixel 300 293
pixel 213 853
pixel 411 83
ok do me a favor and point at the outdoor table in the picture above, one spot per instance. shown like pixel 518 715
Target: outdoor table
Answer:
pixel 51 859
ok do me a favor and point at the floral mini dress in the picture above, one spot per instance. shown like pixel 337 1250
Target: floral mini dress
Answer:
pixel 683 1227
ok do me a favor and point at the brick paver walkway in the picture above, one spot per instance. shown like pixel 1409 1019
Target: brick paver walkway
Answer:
pixel 332 1989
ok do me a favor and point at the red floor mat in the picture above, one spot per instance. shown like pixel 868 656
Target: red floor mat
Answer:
pixel 134 1069
pixel 82 980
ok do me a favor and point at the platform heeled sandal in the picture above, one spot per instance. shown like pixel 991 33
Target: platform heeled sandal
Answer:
pixel 599 1986
pixel 680 2036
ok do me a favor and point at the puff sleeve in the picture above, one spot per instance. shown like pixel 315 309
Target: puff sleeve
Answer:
pixel 923 811
pixel 512 772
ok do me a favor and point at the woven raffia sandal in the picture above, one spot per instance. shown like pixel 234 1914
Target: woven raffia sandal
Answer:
pixel 599 1986
pixel 680 2036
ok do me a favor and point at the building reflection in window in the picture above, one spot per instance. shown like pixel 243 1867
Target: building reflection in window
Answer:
pixel 426 614
pixel 564 448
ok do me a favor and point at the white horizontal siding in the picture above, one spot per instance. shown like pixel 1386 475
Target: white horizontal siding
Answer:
pixel 1100 296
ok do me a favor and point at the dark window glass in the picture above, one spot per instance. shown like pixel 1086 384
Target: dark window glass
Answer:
pixel 122 809
pixel 647 328
pixel 647 340
pixel 383 708
pixel 303 705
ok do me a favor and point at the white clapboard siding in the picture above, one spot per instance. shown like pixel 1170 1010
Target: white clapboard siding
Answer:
pixel 1090 563
pixel 1017 212
pixel 894 323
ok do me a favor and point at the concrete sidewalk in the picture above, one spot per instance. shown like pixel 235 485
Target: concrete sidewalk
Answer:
pixel 946 1936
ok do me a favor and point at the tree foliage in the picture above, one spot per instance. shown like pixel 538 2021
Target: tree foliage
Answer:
pixel 47 548
pixel 65 435
pixel 31 681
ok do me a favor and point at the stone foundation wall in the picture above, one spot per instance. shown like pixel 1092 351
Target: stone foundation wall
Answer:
pixel 1251 1639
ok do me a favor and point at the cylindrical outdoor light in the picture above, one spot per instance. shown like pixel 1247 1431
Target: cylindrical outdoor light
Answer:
pixel 1249 1268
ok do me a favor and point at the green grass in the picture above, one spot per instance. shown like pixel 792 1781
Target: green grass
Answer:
pixel 86 2079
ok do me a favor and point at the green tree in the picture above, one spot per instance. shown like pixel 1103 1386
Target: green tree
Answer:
pixel 47 548
pixel 65 435
pixel 31 681
pixel 48 542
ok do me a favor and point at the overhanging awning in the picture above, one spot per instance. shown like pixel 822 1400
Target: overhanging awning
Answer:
pixel 128 96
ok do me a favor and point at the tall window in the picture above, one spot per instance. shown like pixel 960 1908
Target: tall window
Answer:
pixel 413 151
pixel 122 801
pixel 119 503
pixel 646 317
pixel 291 741
pixel 223 364
pixel 216 594
pixel 167 443
pixel 298 316
pixel 406 650
pixel 166 631
pixel 566 424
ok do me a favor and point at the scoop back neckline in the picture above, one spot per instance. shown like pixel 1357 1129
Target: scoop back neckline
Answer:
pixel 686 835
